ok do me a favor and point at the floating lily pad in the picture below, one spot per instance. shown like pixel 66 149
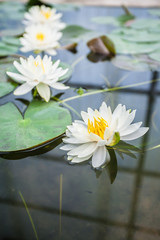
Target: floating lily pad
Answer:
pixel 6 49
pixel 42 123
pixel 145 23
pixel 126 47
pixel 11 41
pixel 142 36
pixel 74 33
pixel 155 56
pixel 155 12
pixel 5 88
pixel 134 63
pixel 106 20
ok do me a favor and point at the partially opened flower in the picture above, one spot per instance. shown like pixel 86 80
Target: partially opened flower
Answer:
pixel 40 38
pixel 44 15
pixel 39 73
pixel 99 129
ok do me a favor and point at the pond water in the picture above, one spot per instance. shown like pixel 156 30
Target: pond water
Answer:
pixel 74 201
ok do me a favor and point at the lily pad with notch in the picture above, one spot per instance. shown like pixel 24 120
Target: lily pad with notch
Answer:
pixel 42 124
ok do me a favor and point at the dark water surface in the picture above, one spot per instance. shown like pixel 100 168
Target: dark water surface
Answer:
pixel 92 208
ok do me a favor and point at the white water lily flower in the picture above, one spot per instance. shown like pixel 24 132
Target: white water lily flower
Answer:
pixel 40 38
pixel 44 15
pixel 39 73
pixel 89 138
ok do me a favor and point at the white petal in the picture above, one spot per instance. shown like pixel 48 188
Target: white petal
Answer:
pixel 140 132
pixel 17 77
pixel 44 91
pixel 99 157
pixel 88 150
pixel 74 140
pixel 59 86
pixel 67 147
pixel 23 89
pixel 128 121
pixel 79 160
pixel 51 52
pixel 131 128
pixel 80 149
pixel 85 117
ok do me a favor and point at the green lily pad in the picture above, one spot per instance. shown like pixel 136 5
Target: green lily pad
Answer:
pixel 106 20
pixel 155 56
pixel 74 33
pixel 145 23
pixel 155 12
pixel 5 88
pixel 128 63
pixel 6 49
pixel 126 47
pixel 42 123
pixel 142 36
pixel 11 41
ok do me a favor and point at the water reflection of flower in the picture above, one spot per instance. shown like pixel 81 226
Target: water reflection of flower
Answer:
pixel 44 15
pixel 39 73
pixel 99 130
pixel 40 38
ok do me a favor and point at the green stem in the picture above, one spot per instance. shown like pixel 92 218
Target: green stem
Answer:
pixel 29 215
pixel 107 90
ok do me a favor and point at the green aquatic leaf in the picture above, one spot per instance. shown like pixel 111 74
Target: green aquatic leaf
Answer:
pixel 154 12
pixel 125 18
pixel 132 63
pixel 141 36
pixel 5 88
pixel 11 41
pixel 145 23
pixel 74 33
pixel 106 20
pixel 12 32
pixel 42 123
pixel 112 167
pixel 155 55
pixel 6 49
pixel 126 47
pixel 66 6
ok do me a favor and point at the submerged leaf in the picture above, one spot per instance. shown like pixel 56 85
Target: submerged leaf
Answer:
pixel 112 165
pixel 42 123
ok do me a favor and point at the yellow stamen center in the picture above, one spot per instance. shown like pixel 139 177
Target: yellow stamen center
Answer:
pixel 46 14
pixel 40 36
pixel 40 64
pixel 98 126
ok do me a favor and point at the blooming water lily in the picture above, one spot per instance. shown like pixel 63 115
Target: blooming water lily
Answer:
pixel 44 15
pixel 99 129
pixel 39 73
pixel 39 38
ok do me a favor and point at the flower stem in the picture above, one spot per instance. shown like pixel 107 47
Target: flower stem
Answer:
pixel 107 90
